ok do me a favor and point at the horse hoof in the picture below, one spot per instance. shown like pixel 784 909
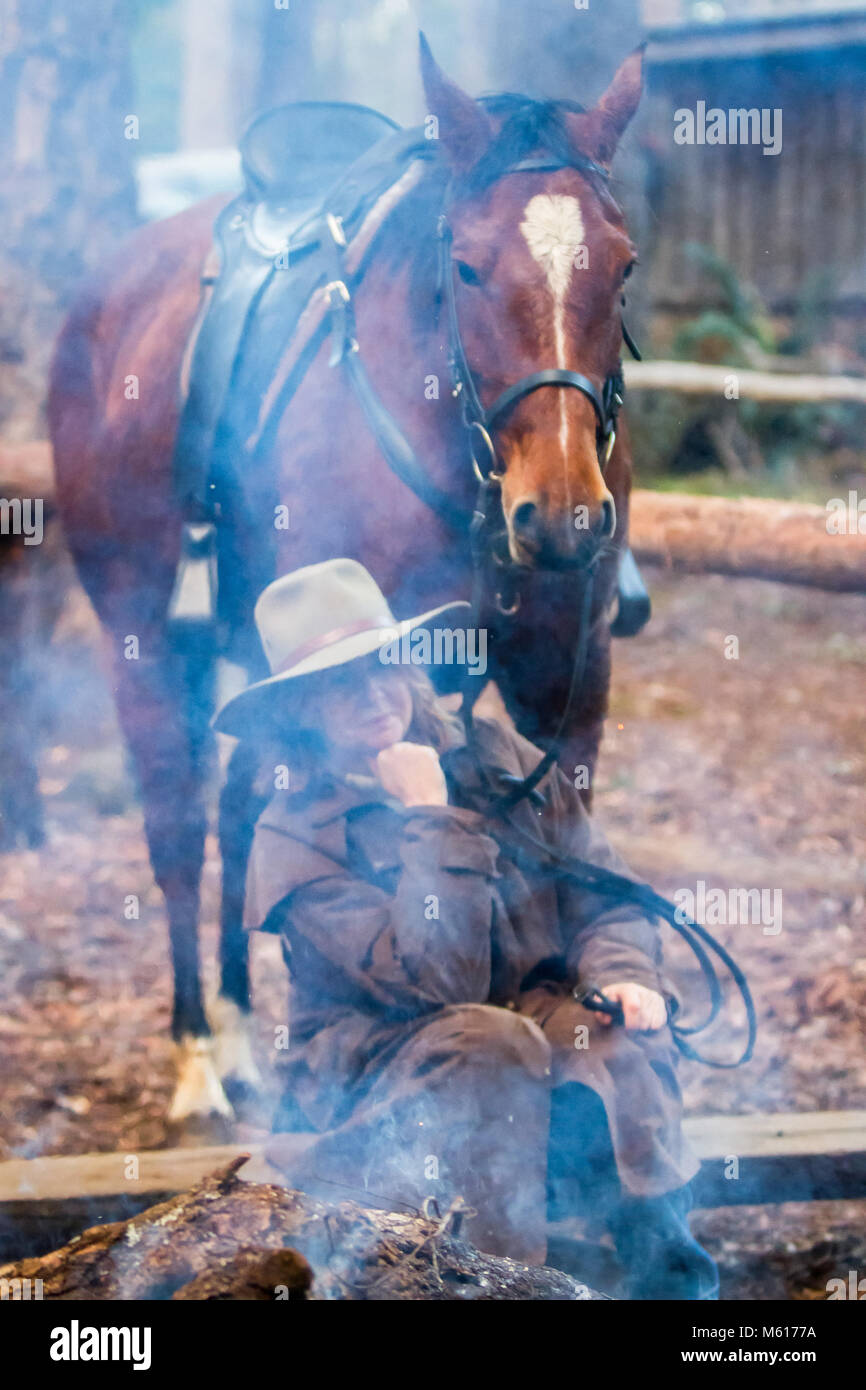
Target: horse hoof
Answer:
pixel 199 1090
pixel 233 1053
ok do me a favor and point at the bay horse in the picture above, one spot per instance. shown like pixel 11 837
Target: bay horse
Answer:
pixel 539 254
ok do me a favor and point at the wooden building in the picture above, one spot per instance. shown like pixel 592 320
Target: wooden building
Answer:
pixel 784 221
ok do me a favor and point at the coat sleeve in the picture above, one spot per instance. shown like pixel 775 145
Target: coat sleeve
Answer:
pixel 426 944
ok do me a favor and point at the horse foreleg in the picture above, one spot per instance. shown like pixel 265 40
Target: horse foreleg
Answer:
pixel 163 732
pixel 240 807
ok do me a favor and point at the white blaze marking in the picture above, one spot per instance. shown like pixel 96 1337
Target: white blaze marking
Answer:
pixel 553 227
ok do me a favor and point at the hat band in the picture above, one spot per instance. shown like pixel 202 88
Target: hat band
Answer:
pixel 328 639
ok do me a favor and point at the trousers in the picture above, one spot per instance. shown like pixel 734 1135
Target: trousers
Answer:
pixel 660 1257
pixel 471 1104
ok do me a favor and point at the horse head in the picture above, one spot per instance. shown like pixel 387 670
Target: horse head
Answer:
pixel 539 253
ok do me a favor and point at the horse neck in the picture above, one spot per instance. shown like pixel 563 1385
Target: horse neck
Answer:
pixel 402 335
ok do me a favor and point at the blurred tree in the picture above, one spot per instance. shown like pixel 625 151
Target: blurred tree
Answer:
pixel 209 86
pixel 561 48
pixel 364 51
pixel 66 183
pixel 157 58
pixel 281 40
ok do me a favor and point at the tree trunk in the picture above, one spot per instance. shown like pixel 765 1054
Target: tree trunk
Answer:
pixel 229 1239
pixel 66 186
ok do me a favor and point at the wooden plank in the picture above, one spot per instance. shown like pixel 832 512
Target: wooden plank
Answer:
pixel 55 1178
pixel 664 14
pixel 833 1134
pixel 45 1202
pixel 752 1136
pixel 714 44
pixel 779 1158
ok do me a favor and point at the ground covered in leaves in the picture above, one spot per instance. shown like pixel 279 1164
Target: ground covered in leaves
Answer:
pixel 744 771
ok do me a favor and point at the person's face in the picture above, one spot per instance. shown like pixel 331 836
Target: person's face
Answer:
pixel 365 708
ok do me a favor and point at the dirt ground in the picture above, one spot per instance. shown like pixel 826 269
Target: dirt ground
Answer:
pixel 742 771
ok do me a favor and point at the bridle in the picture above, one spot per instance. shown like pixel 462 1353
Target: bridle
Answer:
pixel 481 423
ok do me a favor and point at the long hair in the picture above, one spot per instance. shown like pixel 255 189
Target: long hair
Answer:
pixel 292 735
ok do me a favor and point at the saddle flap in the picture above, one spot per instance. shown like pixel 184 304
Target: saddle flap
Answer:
pixel 298 151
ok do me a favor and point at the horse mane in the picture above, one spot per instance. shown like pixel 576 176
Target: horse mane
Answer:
pixel 529 125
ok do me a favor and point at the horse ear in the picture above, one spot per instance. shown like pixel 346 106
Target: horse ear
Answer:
pixel 464 130
pixel 600 130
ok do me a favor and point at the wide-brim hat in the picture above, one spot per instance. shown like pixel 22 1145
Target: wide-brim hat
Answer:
pixel 312 619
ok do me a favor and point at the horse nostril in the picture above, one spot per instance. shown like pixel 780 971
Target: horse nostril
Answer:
pixel 524 516
pixel 524 520
pixel 607 524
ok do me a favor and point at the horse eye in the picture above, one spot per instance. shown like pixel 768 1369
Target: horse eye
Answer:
pixel 628 270
pixel 467 274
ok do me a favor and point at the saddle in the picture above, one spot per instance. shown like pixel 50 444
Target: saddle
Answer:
pixel 302 164
pixel 313 171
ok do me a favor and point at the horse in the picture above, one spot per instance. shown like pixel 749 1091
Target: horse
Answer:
pixel 539 253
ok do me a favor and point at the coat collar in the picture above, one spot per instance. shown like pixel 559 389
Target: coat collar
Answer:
pixel 330 799
pixel 334 797
pixel 345 794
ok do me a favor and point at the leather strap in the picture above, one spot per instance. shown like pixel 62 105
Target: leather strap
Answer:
pixel 551 376
pixel 328 639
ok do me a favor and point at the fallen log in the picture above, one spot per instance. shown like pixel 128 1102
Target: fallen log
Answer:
pixel 708 379
pixel 750 537
pixel 757 538
pixel 229 1239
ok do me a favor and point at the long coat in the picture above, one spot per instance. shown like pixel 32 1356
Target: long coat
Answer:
pixel 432 967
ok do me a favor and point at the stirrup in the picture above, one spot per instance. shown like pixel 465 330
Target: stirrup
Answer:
pixel 633 602
pixel 193 603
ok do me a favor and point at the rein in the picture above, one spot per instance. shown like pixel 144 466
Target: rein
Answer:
pixel 553 864
pixel 480 425
pixel 606 882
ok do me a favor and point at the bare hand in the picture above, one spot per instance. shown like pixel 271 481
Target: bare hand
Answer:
pixel 644 1009
pixel 412 773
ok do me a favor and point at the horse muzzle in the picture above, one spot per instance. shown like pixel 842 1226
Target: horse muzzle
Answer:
pixel 537 541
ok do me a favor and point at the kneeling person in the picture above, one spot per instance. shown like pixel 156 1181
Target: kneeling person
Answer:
pixel 436 1043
